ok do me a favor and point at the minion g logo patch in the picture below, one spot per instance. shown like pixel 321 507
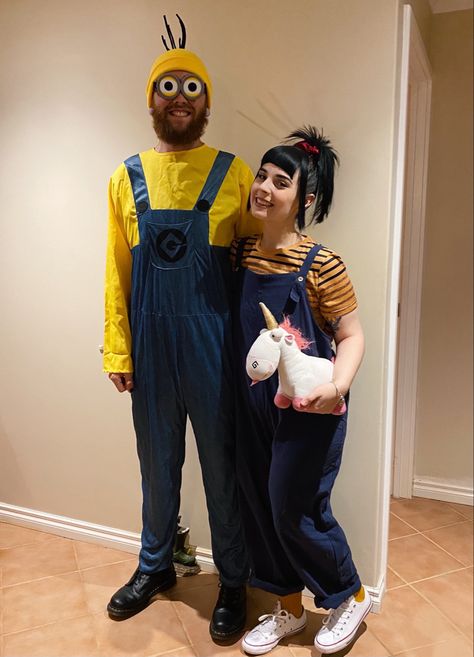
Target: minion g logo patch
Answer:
pixel 171 245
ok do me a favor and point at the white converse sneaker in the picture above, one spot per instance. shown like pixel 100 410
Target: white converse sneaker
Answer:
pixel 271 629
pixel 341 625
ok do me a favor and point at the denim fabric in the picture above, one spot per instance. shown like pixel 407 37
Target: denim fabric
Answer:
pixel 182 367
pixel 287 461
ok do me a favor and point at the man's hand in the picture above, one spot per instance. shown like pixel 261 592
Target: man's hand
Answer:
pixel 122 380
pixel 322 399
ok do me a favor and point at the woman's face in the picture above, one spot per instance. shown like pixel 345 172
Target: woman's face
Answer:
pixel 274 195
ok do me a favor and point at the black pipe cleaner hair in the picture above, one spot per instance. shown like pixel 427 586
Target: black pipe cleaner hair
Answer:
pixel 182 38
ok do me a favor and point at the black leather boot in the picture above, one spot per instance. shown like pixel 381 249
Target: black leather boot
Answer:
pixel 138 592
pixel 228 617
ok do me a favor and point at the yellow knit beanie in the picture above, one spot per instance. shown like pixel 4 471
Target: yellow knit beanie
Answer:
pixel 178 59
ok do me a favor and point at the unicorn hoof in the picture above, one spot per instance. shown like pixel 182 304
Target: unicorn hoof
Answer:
pixel 281 401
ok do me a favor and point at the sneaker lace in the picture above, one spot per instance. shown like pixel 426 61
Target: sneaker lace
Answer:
pixel 337 618
pixel 270 622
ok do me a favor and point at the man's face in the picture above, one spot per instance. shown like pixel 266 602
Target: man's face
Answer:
pixel 181 120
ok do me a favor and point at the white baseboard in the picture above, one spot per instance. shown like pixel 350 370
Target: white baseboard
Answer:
pixel 80 530
pixel 376 594
pixel 119 539
pixel 443 490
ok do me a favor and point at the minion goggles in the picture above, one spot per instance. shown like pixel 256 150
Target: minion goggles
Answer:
pixel 169 86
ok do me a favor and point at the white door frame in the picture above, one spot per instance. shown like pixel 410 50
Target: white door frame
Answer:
pixel 412 169
pixel 412 52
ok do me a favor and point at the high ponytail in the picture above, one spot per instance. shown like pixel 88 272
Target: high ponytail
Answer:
pixel 322 160
pixel 308 151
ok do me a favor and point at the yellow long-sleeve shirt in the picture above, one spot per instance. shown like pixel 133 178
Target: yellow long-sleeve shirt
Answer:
pixel 174 181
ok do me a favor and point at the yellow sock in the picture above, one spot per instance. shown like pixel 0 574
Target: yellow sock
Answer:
pixel 292 603
pixel 360 595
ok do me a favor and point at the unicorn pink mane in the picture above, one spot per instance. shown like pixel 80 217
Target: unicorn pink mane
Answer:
pixel 301 342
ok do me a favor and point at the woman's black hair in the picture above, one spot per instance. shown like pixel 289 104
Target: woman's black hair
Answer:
pixel 314 157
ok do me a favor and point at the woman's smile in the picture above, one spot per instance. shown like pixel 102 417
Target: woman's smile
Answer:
pixel 261 202
pixel 274 194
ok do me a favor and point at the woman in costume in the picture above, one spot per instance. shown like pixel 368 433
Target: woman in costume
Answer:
pixel 288 459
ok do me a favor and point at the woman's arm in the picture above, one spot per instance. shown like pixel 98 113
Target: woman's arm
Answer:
pixel 349 340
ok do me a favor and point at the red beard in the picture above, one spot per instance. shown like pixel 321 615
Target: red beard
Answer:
pixel 166 132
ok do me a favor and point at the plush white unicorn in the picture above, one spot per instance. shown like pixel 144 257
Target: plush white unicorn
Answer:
pixel 279 346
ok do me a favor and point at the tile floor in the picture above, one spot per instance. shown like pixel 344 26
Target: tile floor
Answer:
pixel 53 592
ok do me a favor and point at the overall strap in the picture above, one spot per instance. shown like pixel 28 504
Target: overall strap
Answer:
pixel 239 253
pixel 214 181
pixel 300 283
pixel 308 261
pixel 138 182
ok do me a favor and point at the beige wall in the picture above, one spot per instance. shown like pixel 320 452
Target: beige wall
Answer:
pixel 444 420
pixel 422 12
pixel 73 75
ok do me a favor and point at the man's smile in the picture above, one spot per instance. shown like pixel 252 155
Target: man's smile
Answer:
pixel 179 112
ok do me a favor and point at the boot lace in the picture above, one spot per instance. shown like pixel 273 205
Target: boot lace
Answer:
pixel 229 595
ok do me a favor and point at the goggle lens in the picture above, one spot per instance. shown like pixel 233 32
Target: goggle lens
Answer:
pixel 169 87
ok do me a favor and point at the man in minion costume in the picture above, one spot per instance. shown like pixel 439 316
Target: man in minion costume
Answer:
pixel 173 212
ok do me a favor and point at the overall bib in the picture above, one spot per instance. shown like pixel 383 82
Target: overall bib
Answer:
pixel 180 323
pixel 287 460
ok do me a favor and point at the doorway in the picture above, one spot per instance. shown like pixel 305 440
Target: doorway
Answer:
pixel 411 190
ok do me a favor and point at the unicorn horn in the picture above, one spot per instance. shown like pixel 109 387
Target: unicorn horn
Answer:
pixel 269 319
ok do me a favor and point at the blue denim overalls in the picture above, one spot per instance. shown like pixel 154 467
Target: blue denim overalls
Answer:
pixel 180 323
pixel 287 461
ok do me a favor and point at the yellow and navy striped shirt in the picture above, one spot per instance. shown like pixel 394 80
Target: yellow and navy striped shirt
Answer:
pixel 329 289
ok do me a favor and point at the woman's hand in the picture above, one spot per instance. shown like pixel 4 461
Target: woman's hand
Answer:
pixel 322 399
pixel 349 341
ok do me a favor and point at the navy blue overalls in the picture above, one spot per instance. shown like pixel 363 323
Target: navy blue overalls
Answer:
pixel 180 321
pixel 287 461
